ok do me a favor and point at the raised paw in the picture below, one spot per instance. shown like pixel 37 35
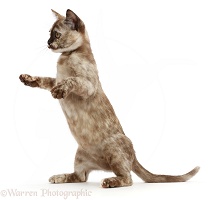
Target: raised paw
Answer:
pixel 29 80
pixel 61 178
pixel 60 91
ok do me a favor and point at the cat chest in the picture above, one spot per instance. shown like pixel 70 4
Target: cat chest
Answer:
pixel 69 66
pixel 64 72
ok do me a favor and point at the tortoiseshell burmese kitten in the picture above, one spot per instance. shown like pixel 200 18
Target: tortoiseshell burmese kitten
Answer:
pixel 102 144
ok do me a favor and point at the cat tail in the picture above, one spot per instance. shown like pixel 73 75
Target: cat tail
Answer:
pixel 149 177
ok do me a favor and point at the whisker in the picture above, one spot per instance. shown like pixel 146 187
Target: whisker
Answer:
pixel 39 52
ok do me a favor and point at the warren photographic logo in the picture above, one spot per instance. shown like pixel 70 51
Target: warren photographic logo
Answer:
pixel 45 193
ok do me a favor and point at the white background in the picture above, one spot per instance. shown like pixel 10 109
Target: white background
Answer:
pixel 153 59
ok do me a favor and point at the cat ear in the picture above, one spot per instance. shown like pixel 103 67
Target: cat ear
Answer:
pixel 72 20
pixel 57 15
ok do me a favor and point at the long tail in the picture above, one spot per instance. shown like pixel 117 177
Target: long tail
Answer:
pixel 149 177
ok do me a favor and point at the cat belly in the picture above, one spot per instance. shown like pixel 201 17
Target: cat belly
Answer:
pixel 83 127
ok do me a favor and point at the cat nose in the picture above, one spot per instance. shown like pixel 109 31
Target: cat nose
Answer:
pixel 49 42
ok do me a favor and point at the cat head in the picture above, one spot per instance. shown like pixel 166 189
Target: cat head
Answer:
pixel 67 33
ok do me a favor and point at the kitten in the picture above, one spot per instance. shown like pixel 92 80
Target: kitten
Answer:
pixel 102 144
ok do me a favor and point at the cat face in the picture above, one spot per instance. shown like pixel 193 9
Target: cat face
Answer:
pixel 67 33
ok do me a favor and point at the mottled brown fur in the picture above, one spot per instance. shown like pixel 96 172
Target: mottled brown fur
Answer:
pixel 102 144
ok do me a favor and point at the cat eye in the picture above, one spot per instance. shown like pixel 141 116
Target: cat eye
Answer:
pixel 57 35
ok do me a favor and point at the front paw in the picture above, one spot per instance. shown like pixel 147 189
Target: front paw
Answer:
pixel 29 80
pixel 60 91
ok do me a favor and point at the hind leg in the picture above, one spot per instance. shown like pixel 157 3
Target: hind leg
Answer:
pixel 119 155
pixel 122 179
pixel 83 165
